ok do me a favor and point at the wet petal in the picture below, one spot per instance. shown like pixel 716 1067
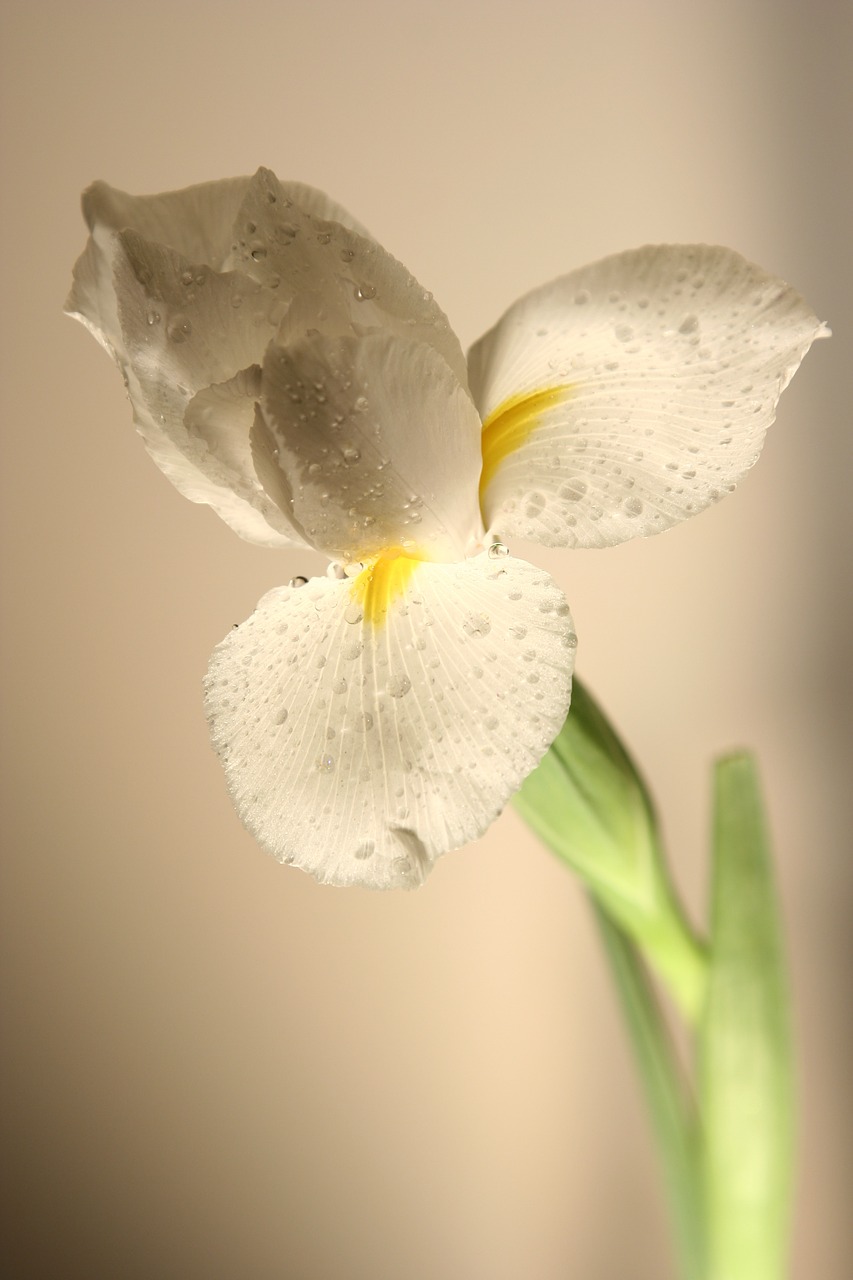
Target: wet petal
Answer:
pixel 197 222
pixel 192 340
pixel 367 726
pixel 375 442
pixel 633 393
pixel 346 283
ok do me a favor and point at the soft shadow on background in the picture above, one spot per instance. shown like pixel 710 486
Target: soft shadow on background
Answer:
pixel 212 1067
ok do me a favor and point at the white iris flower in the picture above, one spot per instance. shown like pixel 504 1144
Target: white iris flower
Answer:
pixel 287 371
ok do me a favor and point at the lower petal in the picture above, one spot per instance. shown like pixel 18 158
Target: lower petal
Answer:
pixel 368 726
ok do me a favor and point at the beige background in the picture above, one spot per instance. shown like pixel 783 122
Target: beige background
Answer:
pixel 215 1069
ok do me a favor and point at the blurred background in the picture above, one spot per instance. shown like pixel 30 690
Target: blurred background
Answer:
pixel 212 1067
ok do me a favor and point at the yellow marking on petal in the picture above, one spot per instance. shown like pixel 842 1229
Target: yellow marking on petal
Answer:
pixel 382 581
pixel 512 424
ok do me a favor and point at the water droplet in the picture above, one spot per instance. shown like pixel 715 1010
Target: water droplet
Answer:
pixel 186 277
pixel 347 255
pixel 689 324
pixel 282 716
pixel 350 455
pixel 326 764
pixel 353 613
pixel 330 733
pixel 477 624
pixel 497 551
pixel 581 297
pixel 298 581
pixel 179 328
pixel 518 631
pixel 339 685
pixel 259 252
pixel 633 506
pixel 534 505
pixel 399 686
pixel 367 721
pixel 153 317
pixel 364 292
pixel 365 850
pixel 321 660
pixel 352 649
pixel 335 570
pixel 360 404
pixel 623 333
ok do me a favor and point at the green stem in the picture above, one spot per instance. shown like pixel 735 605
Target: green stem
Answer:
pixel 670 1104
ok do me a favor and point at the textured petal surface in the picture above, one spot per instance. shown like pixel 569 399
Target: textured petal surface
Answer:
pixel 197 222
pixel 376 444
pixel 346 283
pixel 191 339
pixel 633 393
pixel 367 728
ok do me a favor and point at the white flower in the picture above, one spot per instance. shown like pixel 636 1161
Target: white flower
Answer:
pixel 287 371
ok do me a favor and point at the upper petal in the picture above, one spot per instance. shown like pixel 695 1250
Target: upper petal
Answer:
pixel 370 442
pixel 631 394
pixel 367 727
pixel 346 283
pixel 191 343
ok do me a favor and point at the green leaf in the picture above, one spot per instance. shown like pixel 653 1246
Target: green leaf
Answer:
pixel 745 1067
pixel 588 803
pixel 667 1094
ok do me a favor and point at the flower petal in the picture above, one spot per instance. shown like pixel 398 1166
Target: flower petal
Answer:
pixel 191 339
pixel 633 393
pixel 346 282
pixel 197 221
pixel 367 726
pixel 376 443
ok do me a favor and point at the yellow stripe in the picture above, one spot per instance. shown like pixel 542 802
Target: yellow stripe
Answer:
pixel 511 425
pixel 382 581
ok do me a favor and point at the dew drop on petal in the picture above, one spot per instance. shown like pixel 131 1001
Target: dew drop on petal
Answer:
pixel 497 551
pixel 326 764
pixel 477 624
pixel 298 581
pixel 179 328
pixel 399 686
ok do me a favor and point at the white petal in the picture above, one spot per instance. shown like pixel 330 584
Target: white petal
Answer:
pixel 197 221
pixel 367 727
pixel 319 205
pixel 631 394
pixel 345 282
pixel 192 341
pixel 376 444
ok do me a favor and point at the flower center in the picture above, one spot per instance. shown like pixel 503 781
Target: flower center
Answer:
pixel 511 425
pixel 383 581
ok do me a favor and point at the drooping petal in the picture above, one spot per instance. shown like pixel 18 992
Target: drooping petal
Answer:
pixel 347 282
pixel 367 726
pixel 191 339
pixel 633 393
pixel 375 443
